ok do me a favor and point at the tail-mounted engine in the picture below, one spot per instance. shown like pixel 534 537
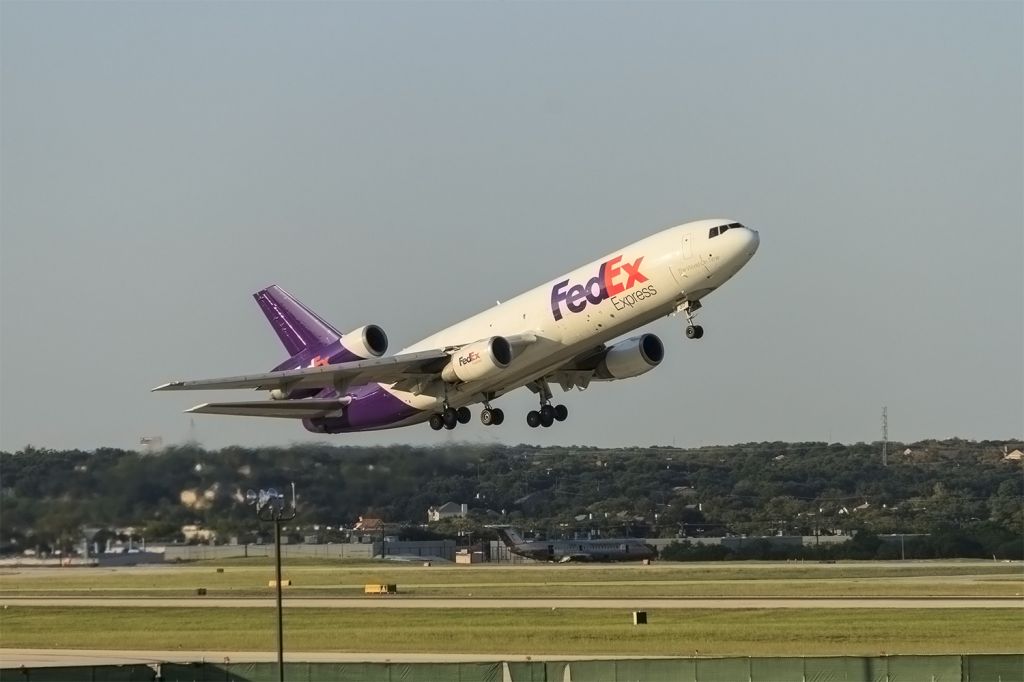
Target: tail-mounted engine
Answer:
pixel 365 342
pixel 478 360
pixel 631 358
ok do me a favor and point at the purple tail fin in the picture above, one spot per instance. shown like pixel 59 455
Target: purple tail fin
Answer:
pixel 297 326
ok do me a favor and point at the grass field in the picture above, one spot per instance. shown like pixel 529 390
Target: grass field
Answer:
pixel 857 631
pixel 522 631
pixel 249 579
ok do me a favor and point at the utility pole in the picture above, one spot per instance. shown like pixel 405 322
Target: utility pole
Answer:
pixel 270 506
pixel 885 436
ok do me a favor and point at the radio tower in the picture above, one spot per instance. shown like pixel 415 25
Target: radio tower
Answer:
pixel 885 436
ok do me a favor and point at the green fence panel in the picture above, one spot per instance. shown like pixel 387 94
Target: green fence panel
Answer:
pixel 591 671
pixel 185 672
pixel 92 673
pixel 349 672
pixel 123 673
pixel 207 672
pixel 633 670
pixel 445 672
pixel 480 672
pixel 776 670
pixel 652 670
pixel 844 669
pixel 924 668
pixel 56 674
pixel 723 669
pixel 993 668
pixel 555 670
pixel 528 671
pixel 253 672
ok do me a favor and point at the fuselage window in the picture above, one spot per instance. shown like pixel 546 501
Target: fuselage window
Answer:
pixel 713 233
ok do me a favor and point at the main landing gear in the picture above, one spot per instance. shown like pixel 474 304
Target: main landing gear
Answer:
pixel 547 415
pixel 693 331
pixel 492 416
pixel 449 418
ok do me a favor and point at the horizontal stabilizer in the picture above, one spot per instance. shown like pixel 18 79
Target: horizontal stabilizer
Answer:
pixel 287 409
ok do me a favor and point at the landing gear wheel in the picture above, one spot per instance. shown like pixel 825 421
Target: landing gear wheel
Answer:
pixel 436 422
pixel 450 417
pixel 498 415
pixel 487 416
pixel 547 418
pixel 463 415
pixel 694 331
pixel 561 412
pixel 533 418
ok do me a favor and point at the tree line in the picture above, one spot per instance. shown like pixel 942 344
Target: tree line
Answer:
pixel 962 495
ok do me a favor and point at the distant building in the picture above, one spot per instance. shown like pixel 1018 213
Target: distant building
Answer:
pixel 1016 455
pixel 447 510
pixel 196 532
pixel 369 524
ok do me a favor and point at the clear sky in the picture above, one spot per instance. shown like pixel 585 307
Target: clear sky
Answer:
pixel 409 163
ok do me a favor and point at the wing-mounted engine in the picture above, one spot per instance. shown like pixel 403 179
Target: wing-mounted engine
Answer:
pixel 630 358
pixel 478 360
pixel 369 341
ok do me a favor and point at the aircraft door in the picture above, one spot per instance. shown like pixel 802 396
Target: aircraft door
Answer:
pixel 691 268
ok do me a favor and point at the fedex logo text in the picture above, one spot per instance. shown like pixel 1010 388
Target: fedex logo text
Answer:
pixel 613 278
pixel 469 358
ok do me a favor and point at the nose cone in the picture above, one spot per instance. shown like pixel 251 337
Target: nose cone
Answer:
pixel 753 241
pixel 740 246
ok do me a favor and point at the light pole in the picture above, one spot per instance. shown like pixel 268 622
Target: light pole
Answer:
pixel 270 506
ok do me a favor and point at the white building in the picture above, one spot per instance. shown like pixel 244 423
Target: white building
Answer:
pixel 446 511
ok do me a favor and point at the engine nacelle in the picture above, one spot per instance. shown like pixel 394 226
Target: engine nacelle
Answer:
pixel 478 360
pixel 365 342
pixel 631 358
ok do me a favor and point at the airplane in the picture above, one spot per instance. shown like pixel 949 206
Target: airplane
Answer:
pixel 560 333
pixel 564 551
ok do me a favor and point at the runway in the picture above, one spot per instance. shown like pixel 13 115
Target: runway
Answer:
pixel 505 604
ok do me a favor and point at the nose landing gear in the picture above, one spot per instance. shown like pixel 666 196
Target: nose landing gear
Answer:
pixel 689 308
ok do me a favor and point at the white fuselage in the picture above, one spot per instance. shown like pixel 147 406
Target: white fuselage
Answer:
pixel 579 311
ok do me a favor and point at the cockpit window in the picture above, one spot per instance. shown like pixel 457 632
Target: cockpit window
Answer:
pixel 715 231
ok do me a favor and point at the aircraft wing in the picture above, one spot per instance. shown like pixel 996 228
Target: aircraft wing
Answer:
pixel 309 408
pixel 411 368
pixel 420 365
pixel 575 556
pixel 576 373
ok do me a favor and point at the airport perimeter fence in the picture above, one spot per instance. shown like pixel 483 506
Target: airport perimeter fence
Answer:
pixel 965 668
